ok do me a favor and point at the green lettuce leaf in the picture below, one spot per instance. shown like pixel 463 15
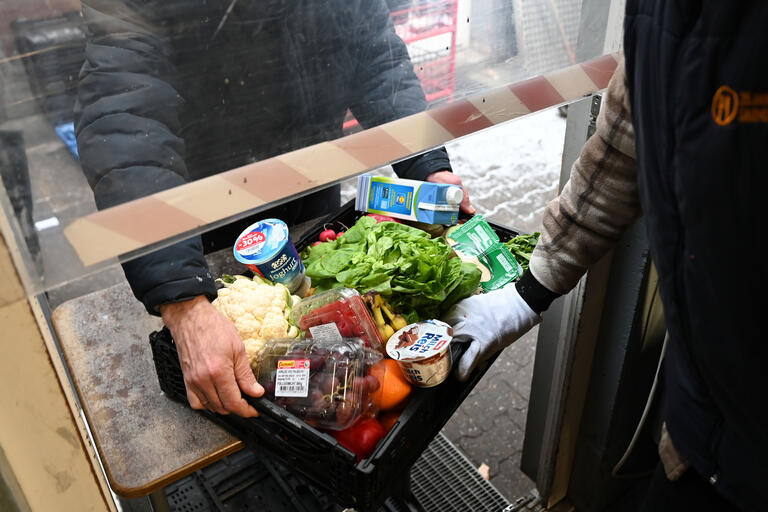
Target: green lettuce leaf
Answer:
pixel 420 275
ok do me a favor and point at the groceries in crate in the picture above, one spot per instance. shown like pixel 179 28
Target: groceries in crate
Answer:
pixel 423 352
pixel 335 314
pixel 476 242
pixel 265 247
pixel 337 377
pixel 259 309
pixel 417 274
pixel 328 384
pixel 421 201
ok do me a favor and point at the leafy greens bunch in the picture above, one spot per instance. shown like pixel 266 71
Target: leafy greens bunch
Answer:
pixel 522 247
pixel 420 275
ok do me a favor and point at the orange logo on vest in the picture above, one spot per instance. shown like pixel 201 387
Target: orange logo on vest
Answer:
pixel 725 105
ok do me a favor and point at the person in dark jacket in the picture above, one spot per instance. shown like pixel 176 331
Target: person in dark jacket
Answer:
pixel 176 90
pixel 681 138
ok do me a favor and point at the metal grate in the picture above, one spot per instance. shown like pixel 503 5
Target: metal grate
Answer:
pixel 443 480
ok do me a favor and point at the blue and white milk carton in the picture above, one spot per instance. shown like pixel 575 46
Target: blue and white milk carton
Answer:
pixel 421 201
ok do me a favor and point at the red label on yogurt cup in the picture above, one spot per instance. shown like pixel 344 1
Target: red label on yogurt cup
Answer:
pixel 251 240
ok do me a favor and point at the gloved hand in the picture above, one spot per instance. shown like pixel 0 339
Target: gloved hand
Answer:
pixel 489 322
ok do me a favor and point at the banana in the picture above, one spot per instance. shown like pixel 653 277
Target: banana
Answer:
pixel 386 332
pixel 387 322
pixel 388 312
pixel 398 322
pixel 378 318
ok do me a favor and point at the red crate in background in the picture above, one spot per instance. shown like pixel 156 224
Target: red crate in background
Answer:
pixel 428 28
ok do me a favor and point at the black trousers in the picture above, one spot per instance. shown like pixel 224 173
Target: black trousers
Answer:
pixel 690 492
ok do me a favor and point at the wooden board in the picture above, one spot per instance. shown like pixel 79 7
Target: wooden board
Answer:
pixel 145 440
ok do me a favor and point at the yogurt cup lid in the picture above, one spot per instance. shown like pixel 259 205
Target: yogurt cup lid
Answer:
pixel 420 341
pixel 261 241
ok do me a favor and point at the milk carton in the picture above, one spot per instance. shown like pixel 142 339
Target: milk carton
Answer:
pixel 421 201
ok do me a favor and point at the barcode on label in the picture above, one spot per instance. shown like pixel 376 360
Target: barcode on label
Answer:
pixel 297 387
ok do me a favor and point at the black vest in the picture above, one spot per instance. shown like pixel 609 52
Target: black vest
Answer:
pixel 697 74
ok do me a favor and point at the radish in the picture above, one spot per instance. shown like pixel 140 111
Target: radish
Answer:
pixel 327 235
pixel 318 242
pixel 339 234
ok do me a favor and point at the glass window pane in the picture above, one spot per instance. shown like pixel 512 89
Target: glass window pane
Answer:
pixel 107 101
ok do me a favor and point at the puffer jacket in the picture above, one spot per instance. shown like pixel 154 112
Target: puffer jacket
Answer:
pixel 176 90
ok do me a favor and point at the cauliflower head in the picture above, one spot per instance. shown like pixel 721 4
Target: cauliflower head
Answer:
pixel 260 310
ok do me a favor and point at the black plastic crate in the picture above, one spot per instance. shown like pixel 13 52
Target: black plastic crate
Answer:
pixel 244 482
pixel 317 456
pixel 442 480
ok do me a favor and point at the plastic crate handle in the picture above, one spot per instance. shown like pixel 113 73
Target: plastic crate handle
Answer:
pixel 171 381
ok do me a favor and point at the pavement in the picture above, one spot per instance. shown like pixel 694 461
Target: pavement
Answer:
pixel 490 425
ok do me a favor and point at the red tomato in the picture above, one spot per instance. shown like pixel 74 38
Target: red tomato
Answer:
pixel 362 437
pixel 341 314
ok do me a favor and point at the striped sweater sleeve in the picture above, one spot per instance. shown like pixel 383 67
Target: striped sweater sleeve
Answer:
pixel 599 201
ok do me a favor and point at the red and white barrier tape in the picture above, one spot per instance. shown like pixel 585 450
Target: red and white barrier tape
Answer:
pixel 137 224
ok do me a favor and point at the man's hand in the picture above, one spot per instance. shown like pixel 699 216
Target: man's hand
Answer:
pixel 212 357
pixel 489 322
pixel 452 179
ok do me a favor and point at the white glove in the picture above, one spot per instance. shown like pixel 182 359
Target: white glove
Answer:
pixel 490 322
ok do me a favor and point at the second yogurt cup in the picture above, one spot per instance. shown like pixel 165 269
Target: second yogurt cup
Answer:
pixel 423 352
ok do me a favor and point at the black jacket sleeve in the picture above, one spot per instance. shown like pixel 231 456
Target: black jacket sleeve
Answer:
pixel 389 88
pixel 535 294
pixel 127 125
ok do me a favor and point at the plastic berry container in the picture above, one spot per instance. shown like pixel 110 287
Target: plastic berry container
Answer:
pixel 335 314
pixel 327 384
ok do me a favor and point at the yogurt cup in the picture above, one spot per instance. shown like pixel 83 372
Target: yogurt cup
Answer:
pixel 266 248
pixel 423 352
